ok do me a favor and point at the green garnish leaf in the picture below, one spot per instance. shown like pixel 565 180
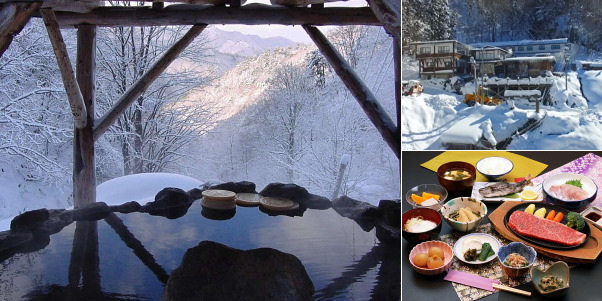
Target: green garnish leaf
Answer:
pixel 575 183
pixel 512 196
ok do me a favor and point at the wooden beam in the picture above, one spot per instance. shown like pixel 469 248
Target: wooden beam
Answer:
pixel 360 91
pixel 13 17
pixel 84 162
pixel 388 12
pixel 146 80
pixel 252 14
pixel 76 102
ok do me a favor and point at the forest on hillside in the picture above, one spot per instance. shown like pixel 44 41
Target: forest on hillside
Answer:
pixel 300 125
pixel 472 21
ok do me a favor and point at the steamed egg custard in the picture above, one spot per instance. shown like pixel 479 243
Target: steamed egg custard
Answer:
pixel 419 224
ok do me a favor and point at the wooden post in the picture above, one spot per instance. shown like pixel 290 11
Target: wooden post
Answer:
pixel 84 162
pixel 360 91
pixel 13 17
pixel 78 108
pixel 146 80
pixel 397 62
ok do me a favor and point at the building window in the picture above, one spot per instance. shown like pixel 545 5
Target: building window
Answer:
pixel 429 64
pixel 521 48
pixel 556 47
pixel 448 64
pixel 424 50
pixel 542 47
pixel 529 48
pixel 443 49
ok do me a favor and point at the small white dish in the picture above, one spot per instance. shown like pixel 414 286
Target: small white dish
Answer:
pixel 478 185
pixel 459 247
pixel 591 214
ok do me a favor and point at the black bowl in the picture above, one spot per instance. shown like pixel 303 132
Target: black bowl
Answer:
pixel 427 214
pixel 457 186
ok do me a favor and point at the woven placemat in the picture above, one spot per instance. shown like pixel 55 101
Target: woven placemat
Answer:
pixel 492 269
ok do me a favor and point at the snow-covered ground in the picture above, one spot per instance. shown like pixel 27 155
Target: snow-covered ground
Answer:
pixel 438 116
pixel 141 188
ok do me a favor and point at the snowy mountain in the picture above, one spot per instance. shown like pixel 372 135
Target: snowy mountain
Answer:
pixel 244 84
pixel 230 48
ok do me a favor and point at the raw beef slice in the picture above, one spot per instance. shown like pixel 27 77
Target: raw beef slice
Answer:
pixel 535 227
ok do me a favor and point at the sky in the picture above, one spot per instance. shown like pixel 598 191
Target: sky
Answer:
pixel 293 33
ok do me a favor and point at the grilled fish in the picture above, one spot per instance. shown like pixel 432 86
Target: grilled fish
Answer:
pixel 503 188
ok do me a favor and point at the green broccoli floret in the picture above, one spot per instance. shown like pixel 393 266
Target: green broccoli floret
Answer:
pixel 575 221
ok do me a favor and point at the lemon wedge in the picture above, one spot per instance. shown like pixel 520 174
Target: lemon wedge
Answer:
pixel 528 195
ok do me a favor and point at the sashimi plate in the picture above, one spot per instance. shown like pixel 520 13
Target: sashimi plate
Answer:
pixel 522 206
pixel 478 185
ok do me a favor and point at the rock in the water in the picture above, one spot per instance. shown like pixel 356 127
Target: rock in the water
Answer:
pixel 128 207
pixel 29 220
pixel 388 235
pixel 354 209
pixel 91 212
pixel 58 219
pixel 364 214
pixel 168 198
pixel 236 187
pixel 195 193
pixel 9 239
pixel 296 193
pixel 390 210
pixel 212 271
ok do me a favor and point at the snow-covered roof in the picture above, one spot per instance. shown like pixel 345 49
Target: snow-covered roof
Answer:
pixel 436 42
pixel 519 43
pixel 531 58
pixel 509 93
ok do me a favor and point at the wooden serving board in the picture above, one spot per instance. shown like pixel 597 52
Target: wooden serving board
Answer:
pixel 588 253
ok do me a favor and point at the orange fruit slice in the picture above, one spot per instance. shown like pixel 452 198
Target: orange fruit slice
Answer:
pixel 427 196
pixel 418 199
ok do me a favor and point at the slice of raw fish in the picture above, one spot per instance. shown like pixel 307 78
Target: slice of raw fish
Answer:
pixel 504 188
pixel 568 192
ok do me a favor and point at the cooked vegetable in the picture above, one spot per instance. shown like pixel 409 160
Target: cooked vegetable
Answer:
pixel 530 209
pixel 516 260
pixel 575 183
pixel 575 221
pixel 549 283
pixel 551 215
pixel 558 217
pixel 486 251
pixel 471 255
pixel 464 215
pixel 541 212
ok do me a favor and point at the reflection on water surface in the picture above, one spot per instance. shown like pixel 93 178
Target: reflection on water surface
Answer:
pixel 136 252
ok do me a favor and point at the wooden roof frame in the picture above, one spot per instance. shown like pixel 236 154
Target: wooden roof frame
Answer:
pixel 86 15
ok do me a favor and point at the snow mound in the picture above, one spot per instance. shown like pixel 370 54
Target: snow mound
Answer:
pixel 142 187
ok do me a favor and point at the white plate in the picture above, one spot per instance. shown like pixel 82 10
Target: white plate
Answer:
pixel 478 185
pixel 459 247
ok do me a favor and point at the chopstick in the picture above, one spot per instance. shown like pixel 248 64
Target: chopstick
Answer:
pixel 510 289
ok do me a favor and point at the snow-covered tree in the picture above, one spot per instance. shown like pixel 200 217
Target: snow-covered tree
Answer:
pixel 152 130
pixel 35 123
